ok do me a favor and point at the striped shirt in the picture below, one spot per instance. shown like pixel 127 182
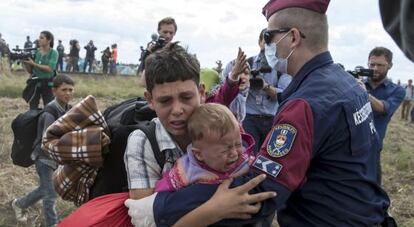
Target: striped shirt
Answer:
pixel 141 165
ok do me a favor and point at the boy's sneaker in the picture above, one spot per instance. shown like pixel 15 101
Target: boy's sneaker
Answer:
pixel 19 212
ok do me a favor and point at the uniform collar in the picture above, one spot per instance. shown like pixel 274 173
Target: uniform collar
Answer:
pixel 316 62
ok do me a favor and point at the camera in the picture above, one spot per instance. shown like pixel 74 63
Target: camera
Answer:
pixel 361 71
pixel 21 54
pixel 158 44
pixel 256 81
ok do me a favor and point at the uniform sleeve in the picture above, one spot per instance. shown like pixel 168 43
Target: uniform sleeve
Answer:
pixel 392 103
pixel 287 150
pixel 141 166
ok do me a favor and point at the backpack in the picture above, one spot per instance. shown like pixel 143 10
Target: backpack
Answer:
pixel 24 128
pixel 122 119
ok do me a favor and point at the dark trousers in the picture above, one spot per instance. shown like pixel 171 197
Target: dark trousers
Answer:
pixel 59 65
pixel 105 67
pixel 258 126
pixel 88 61
pixel 41 90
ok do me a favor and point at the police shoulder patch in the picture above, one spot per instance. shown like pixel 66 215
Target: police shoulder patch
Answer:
pixel 281 140
pixel 268 166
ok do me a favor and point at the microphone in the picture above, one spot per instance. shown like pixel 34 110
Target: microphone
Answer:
pixel 154 37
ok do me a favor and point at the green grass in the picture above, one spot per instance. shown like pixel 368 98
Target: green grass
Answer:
pixel 97 85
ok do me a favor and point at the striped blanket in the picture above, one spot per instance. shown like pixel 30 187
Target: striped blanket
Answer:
pixel 77 141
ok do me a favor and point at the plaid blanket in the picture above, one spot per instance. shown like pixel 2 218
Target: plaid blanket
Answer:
pixel 76 142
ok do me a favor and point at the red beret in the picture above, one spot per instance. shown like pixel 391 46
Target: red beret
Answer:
pixel 273 6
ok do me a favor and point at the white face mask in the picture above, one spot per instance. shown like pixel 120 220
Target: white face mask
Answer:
pixel 279 64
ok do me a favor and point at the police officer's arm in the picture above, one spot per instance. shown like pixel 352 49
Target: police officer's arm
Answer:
pixel 231 206
pixel 284 174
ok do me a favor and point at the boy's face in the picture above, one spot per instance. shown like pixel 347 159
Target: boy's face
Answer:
pixel 64 93
pixel 219 153
pixel 174 102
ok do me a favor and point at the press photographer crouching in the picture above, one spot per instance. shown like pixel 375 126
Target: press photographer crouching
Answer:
pixel 166 32
pixel 42 71
pixel 266 84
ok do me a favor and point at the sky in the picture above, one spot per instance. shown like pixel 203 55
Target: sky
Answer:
pixel 211 29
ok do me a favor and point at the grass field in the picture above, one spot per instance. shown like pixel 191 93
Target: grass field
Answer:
pixel 397 156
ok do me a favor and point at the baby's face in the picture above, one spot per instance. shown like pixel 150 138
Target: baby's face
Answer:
pixel 219 153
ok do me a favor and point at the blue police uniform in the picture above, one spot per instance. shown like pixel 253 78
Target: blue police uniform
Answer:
pixel 320 157
pixel 392 96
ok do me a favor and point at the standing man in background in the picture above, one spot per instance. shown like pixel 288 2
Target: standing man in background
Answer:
pixel 409 95
pixel 90 56
pixel 28 44
pixel 262 99
pixel 61 51
pixel 385 96
pixel 167 28
pixel 114 58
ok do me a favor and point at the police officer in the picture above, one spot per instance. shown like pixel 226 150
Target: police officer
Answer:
pixel 321 154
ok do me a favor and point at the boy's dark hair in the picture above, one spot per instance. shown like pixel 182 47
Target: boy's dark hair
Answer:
pixel 62 78
pixel 381 51
pixel 171 63
pixel 49 36
pixel 167 20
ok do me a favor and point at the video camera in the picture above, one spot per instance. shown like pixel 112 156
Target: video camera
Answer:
pixel 157 42
pixel 256 81
pixel 21 54
pixel 361 71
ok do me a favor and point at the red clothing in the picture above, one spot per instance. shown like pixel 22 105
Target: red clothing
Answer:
pixel 114 55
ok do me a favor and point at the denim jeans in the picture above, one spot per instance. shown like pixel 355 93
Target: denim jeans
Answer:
pixel 258 126
pixel 45 191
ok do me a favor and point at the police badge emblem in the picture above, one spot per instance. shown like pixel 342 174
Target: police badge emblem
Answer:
pixel 281 140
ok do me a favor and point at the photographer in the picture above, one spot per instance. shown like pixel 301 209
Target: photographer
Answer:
pixel 61 51
pixel 90 56
pixel 73 56
pixel 42 70
pixel 166 31
pixel 385 96
pixel 106 55
pixel 262 99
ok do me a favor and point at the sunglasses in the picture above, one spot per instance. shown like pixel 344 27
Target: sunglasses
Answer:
pixel 269 34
